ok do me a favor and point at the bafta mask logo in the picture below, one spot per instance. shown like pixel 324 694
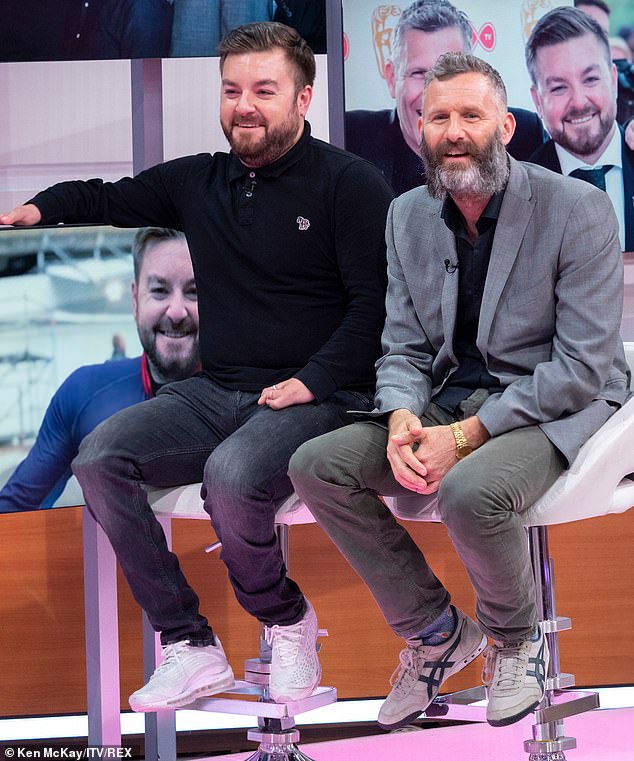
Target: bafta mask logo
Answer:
pixel 384 18
pixel 530 13
pixel 485 37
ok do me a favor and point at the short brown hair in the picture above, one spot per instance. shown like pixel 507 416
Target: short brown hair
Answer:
pixel 267 35
pixel 561 25
pixel 148 237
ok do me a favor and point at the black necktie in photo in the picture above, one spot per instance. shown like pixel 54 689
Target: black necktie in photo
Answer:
pixel 594 176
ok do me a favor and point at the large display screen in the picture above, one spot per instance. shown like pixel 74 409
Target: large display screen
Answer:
pixel 74 30
pixel 65 301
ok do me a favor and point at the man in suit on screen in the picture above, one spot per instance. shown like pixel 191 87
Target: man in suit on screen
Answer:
pixel 575 91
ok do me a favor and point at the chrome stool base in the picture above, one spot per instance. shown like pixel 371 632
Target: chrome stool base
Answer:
pixel 278 753
pixel 276 745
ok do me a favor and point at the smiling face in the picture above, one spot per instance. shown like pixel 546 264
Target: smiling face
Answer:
pixel 465 129
pixel 575 94
pixel 261 111
pixel 166 310
pixel 406 77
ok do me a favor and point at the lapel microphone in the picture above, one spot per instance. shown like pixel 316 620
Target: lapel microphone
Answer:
pixel 449 267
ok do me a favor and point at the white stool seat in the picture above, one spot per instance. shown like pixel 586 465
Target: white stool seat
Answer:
pixel 185 502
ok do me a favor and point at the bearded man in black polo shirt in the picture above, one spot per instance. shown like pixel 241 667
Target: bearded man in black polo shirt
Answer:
pixel 286 235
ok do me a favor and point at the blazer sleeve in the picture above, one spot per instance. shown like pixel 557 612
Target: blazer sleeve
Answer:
pixel 588 305
pixel 404 372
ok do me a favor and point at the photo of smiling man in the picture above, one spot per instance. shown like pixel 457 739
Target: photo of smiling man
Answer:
pixel 165 309
pixel 574 88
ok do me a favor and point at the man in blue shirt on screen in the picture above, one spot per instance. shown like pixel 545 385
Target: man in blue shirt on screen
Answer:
pixel 166 314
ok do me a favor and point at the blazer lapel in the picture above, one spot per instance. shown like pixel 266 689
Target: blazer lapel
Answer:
pixel 445 244
pixel 515 214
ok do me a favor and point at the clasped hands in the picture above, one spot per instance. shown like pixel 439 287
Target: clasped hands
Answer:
pixel 285 394
pixel 420 456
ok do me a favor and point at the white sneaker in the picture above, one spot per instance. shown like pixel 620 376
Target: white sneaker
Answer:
pixel 422 670
pixel 186 673
pixel 516 678
pixel 295 669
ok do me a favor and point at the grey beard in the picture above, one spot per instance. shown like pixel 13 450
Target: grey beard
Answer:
pixel 487 175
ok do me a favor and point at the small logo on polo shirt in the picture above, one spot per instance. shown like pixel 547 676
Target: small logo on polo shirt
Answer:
pixel 302 223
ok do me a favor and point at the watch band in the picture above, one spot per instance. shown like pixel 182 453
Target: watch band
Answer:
pixel 463 448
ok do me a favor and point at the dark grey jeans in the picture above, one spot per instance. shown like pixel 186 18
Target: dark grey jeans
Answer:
pixel 197 430
pixel 340 475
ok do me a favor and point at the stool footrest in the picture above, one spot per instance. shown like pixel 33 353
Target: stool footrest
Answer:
pixel 321 696
pixel 564 704
pixel 466 705
pixel 560 682
pixel 559 624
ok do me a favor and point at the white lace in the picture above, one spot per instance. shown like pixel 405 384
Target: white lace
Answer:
pixel 504 666
pixel 286 640
pixel 407 670
pixel 171 655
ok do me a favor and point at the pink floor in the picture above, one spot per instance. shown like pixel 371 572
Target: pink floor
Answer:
pixel 606 735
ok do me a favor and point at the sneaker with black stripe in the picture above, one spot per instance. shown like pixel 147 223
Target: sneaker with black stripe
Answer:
pixel 515 675
pixel 423 669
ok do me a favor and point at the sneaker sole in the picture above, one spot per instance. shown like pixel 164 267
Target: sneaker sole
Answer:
pixel 458 667
pixel 168 705
pixel 515 717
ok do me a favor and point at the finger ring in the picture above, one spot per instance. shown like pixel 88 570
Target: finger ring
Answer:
pixel 274 387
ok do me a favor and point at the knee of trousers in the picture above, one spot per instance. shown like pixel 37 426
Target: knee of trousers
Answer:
pixel 231 482
pixel 324 461
pixel 466 504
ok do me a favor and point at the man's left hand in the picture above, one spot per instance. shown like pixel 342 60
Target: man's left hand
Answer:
pixel 285 394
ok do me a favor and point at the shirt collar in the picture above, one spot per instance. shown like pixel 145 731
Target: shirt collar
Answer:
pixel 454 220
pixel 611 155
pixel 237 169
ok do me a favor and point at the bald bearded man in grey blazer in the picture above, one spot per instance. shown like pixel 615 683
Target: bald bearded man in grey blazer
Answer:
pixel 502 356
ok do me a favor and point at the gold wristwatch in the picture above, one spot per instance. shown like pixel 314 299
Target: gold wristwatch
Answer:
pixel 463 448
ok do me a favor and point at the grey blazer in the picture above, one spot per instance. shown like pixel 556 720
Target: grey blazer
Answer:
pixel 550 315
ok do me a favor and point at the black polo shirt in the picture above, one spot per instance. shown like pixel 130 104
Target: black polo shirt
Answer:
pixel 473 264
pixel 289 258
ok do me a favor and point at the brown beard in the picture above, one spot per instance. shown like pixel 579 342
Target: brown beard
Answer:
pixel 171 367
pixel 487 174
pixel 585 144
pixel 275 143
